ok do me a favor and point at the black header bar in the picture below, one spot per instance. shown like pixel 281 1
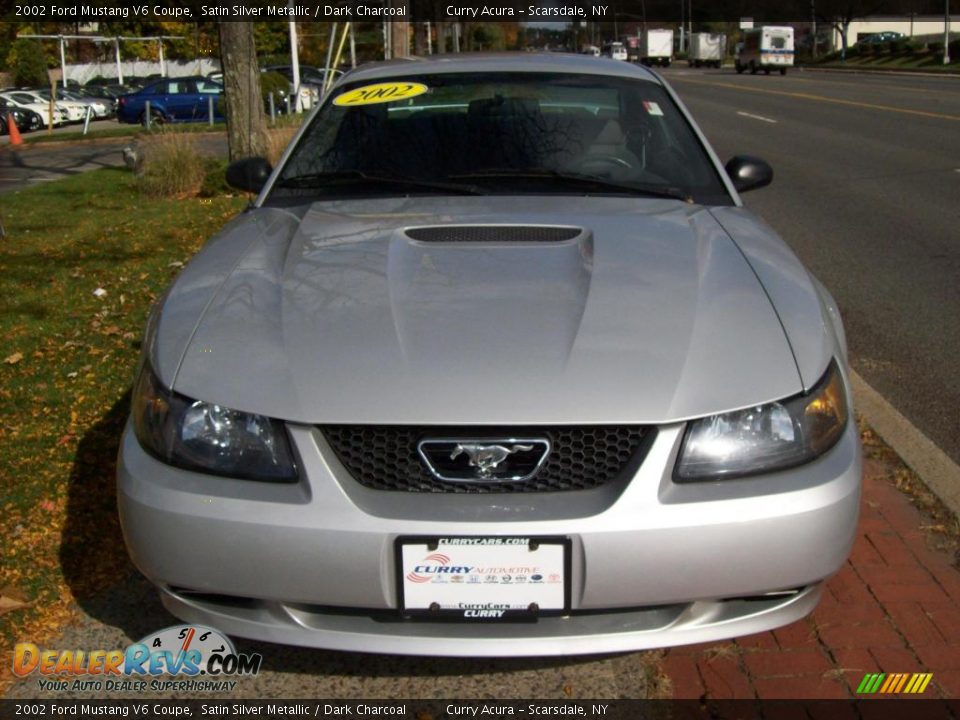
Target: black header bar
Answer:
pixel 535 11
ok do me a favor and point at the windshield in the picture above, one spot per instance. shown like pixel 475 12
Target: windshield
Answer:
pixel 502 133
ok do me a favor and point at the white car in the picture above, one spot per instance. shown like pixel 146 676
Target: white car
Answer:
pixel 99 107
pixel 30 101
pixel 76 111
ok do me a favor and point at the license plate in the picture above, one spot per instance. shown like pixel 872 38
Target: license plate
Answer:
pixel 483 578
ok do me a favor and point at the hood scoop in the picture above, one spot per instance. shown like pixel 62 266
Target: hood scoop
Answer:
pixel 493 233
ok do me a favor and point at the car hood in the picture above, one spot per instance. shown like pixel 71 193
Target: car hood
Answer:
pixel 331 312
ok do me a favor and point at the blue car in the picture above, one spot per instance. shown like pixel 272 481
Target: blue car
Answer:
pixel 182 99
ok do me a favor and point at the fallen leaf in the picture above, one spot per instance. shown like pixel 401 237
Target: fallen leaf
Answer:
pixel 13 359
pixel 11 599
pixel 100 292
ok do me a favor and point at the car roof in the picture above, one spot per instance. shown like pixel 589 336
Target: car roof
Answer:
pixel 503 62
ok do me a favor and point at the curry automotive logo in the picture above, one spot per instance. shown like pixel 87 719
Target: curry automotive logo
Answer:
pixel 172 659
pixel 894 683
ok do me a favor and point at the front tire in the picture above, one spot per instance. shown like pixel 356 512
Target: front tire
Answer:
pixel 783 71
pixel 156 118
pixel 740 68
pixel 753 68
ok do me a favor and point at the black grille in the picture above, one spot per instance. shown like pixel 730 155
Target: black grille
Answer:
pixel 492 233
pixel 384 457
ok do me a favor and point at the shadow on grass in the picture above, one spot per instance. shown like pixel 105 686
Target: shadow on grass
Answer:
pixel 93 556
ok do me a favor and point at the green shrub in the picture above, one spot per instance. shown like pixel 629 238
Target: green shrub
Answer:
pixel 897 46
pixel 215 178
pixel 935 47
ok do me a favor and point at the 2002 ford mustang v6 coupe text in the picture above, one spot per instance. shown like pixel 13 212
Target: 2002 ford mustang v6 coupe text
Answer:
pixel 495 364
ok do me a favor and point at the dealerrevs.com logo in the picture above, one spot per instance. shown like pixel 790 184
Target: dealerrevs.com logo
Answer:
pixel 182 657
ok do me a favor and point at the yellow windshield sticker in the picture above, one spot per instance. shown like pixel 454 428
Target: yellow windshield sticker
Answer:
pixel 380 93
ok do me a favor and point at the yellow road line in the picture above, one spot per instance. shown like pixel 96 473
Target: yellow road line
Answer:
pixel 820 98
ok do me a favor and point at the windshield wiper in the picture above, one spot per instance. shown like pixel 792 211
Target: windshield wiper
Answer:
pixel 661 191
pixel 340 178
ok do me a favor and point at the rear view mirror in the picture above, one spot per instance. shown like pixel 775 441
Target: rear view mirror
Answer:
pixel 748 173
pixel 249 174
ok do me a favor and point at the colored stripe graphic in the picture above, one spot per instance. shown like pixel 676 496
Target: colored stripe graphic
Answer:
pixel 895 683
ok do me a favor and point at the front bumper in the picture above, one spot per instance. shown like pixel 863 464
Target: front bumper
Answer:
pixel 654 563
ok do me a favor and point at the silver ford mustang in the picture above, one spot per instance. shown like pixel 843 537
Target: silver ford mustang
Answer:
pixel 495 364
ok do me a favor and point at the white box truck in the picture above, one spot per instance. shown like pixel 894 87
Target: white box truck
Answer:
pixel 707 49
pixel 655 47
pixel 765 48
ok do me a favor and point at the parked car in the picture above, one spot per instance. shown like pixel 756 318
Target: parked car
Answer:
pixel 311 81
pixel 99 106
pixel 181 99
pixel 28 101
pixel 26 120
pixel 76 111
pixel 879 37
pixel 498 341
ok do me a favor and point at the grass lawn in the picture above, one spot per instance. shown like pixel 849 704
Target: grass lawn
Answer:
pixel 925 61
pixel 117 130
pixel 82 262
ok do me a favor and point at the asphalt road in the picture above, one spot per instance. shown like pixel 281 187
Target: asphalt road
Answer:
pixel 867 193
pixel 30 164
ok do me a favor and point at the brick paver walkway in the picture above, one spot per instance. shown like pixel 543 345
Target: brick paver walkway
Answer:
pixel 893 608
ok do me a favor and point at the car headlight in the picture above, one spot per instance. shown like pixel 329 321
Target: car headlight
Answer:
pixel 766 438
pixel 209 438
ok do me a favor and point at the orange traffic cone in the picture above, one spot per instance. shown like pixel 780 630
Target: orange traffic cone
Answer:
pixel 15 138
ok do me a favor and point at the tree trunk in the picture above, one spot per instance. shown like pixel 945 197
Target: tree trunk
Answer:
pixel 400 30
pixel 246 122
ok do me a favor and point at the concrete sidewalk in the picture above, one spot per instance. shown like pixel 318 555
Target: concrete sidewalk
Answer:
pixel 893 608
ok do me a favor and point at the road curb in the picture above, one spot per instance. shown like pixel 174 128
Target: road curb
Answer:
pixel 869 71
pixel 934 467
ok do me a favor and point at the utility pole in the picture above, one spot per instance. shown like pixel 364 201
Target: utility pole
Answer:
pixel 813 28
pixel 946 34
pixel 683 29
pixel 295 65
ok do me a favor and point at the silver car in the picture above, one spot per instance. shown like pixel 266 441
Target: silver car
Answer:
pixel 495 364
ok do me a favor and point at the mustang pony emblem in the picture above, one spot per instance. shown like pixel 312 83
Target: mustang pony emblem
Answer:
pixel 486 457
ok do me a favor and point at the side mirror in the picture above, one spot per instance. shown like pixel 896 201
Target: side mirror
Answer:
pixel 747 173
pixel 249 174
